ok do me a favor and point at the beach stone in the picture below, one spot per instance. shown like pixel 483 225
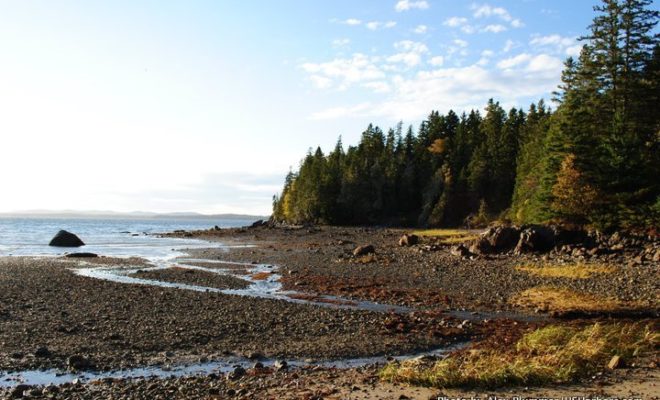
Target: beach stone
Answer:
pixel 460 251
pixel 78 362
pixel 364 250
pixel 66 239
pixel 42 352
pixel 408 240
pixel 236 373
pixel 18 391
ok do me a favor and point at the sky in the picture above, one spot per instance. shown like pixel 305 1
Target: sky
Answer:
pixel 204 106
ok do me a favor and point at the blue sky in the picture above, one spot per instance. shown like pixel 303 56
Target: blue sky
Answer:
pixel 204 105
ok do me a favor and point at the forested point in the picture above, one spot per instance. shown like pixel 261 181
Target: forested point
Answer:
pixel 593 161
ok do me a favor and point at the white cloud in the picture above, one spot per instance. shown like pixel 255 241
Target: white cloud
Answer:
pixel 341 42
pixel 421 29
pixel 574 51
pixel 405 5
pixel 485 57
pixel 460 43
pixel 487 11
pixel 375 25
pixel 543 63
pixel 495 28
pixel 455 22
pixel 378 86
pixel 459 22
pixel 351 22
pixel 437 61
pixel 515 61
pixel 344 72
pixel 459 88
pixel 410 53
pixel 557 44
pixel 509 45
pixel 321 82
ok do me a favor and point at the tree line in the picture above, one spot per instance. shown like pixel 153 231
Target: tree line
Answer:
pixel 593 161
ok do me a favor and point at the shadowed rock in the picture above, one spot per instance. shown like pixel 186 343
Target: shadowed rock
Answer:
pixel 66 239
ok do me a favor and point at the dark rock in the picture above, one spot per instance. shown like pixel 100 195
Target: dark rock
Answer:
pixel 257 224
pixel 408 240
pixel 535 239
pixel 82 255
pixel 78 362
pixel 460 251
pixel 42 352
pixel 364 250
pixel 66 239
pixel 481 246
pixel 18 390
pixel 237 373
pixel 502 238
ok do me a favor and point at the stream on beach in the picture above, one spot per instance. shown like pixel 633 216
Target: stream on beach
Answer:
pixel 162 253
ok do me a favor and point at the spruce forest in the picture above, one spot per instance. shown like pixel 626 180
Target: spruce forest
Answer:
pixel 593 159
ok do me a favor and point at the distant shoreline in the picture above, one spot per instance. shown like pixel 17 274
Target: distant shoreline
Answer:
pixel 134 216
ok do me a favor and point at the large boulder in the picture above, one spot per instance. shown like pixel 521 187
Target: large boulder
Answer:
pixel 66 239
pixel 535 239
pixel 498 239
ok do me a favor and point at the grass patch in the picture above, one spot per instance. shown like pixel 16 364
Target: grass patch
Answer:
pixel 449 236
pixel 548 298
pixel 442 232
pixel 549 355
pixel 573 271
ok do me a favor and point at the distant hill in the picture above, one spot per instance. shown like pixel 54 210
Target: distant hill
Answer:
pixel 122 215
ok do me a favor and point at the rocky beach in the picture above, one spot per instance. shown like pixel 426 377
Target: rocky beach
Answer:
pixel 301 312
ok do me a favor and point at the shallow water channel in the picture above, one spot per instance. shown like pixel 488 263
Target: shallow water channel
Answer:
pixel 266 286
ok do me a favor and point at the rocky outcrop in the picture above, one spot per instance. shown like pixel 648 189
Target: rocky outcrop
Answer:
pixel 535 239
pixel 66 239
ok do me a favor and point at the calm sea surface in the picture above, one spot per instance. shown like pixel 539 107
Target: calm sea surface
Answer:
pixel 111 237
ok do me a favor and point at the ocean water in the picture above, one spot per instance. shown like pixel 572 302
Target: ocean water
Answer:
pixel 109 237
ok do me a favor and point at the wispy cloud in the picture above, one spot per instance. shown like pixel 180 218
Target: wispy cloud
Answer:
pixel 458 88
pixel 410 53
pixel 488 11
pixel 559 44
pixel 342 73
pixel 405 5
pixel 376 25
pixel 421 29
pixel 494 28
pixel 460 23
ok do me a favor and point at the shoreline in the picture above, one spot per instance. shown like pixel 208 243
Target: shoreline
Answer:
pixel 311 262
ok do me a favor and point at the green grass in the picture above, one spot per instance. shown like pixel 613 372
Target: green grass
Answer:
pixel 550 355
